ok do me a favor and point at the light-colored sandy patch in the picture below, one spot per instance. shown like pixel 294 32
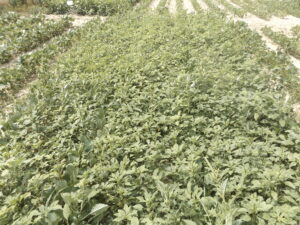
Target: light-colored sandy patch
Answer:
pixel 277 24
pixel 53 17
pixel 269 43
pixel 296 62
pixel 78 20
pixel 81 20
pixel 6 110
pixel 219 5
pixel 154 4
pixel 188 6
pixel 4 2
pixel 19 95
pixel 296 108
pixel 203 5
pixel 172 6
pixel 275 47
pixel 234 4
pixel 137 6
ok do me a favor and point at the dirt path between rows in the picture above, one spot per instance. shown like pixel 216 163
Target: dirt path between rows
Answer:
pixel 219 5
pixel 154 4
pixel 79 21
pixel 278 25
pixel 275 23
pixel 172 6
pixel 296 108
pixel 234 5
pixel 255 23
pixel 203 5
pixel 188 6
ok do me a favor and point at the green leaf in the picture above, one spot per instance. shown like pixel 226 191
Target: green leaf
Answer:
pixel 134 221
pixel 66 211
pixel 256 116
pixel 282 123
pixel 189 222
pixel 99 209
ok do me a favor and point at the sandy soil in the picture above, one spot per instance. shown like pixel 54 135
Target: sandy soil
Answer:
pixel 233 4
pixel 4 2
pixel 269 43
pixel 274 47
pixel 78 20
pixel 172 6
pixel 203 5
pixel 188 6
pixel 277 24
pixel 154 4
pixel 219 5
pixel 296 108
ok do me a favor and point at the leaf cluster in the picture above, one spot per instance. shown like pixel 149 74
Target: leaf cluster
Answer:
pixel 89 7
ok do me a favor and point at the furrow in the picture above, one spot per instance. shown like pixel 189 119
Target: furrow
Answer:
pixel 188 6
pixel 154 4
pixel 172 6
pixel 203 5
pixel 234 4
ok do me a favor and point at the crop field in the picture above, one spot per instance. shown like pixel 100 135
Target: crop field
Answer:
pixel 23 34
pixel 89 7
pixel 290 44
pixel 166 112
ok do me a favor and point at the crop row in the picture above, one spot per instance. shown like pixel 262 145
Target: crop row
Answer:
pixel 30 34
pixel 153 119
pixel 12 24
pixel 291 45
pixel 267 8
pixel 13 78
pixel 7 18
pixel 84 7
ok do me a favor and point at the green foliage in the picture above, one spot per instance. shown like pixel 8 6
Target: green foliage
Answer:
pixel 152 120
pixel 12 78
pixel 15 3
pixel 90 7
pixel 7 18
pixel 296 31
pixel 236 11
pixel 28 33
pixel 267 8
